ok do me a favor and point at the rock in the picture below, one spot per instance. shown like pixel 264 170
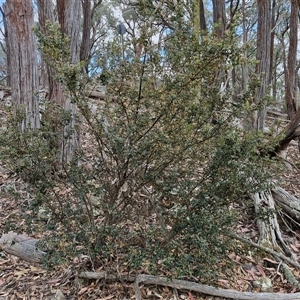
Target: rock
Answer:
pixel 264 283
pixel 58 296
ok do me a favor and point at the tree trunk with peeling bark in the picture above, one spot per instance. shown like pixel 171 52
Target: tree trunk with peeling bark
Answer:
pixel 69 12
pixel 22 60
pixel 263 57
pixel 69 15
pixel 55 89
pixel 269 232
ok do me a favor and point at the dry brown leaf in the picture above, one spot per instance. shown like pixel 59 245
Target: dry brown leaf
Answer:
pixel 251 272
pixel 36 270
pixel 295 248
pixel 271 261
pixel 191 296
pixel 19 273
pixel 260 270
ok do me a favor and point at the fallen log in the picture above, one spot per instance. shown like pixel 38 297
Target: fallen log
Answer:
pixel 289 203
pixel 22 246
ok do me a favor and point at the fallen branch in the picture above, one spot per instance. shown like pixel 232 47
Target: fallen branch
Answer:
pixel 206 289
pixel 290 132
pixel 107 276
pixel 187 285
pixel 97 95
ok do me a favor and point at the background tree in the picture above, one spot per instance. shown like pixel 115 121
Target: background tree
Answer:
pixel 219 17
pixel 263 57
pixel 46 14
pixel 85 46
pixel 69 12
pixel 69 15
pixel 199 16
pixel 291 98
pixel 22 59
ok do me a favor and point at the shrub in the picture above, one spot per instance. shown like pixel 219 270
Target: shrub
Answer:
pixel 160 166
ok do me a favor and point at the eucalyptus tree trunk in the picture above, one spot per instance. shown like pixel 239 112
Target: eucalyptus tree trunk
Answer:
pixel 199 17
pixel 55 89
pixel 85 46
pixel 69 16
pixel 46 14
pixel 268 226
pixel 22 60
pixel 273 24
pixel 245 68
pixel 263 200
pixel 69 13
pixel 263 57
pixel 274 55
pixel 219 17
pixel 290 69
pixel 203 25
pixel 7 46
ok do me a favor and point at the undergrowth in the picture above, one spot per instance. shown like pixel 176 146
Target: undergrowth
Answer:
pixel 161 164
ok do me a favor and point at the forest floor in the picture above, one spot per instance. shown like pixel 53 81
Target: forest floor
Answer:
pixel 20 279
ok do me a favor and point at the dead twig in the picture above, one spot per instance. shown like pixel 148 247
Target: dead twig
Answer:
pixel 268 250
